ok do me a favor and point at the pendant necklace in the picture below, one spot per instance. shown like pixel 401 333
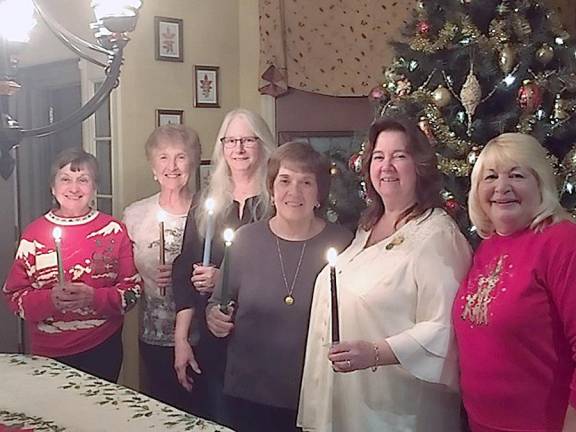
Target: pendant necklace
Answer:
pixel 289 299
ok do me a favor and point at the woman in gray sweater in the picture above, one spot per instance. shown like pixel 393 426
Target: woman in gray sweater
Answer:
pixel 272 267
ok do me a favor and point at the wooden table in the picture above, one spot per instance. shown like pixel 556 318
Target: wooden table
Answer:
pixel 42 395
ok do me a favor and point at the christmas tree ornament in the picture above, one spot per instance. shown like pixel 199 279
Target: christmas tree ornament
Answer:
pixel 420 6
pixel 426 129
pixel 473 156
pixel 441 96
pixel 452 206
pixel 403 86
pixel 529 96
pixel 355 162
pixel 413 65
pixel 471 94
pixel 461 116
pixel 507 58
pixel 545 54
pixel 423 28
pixel 560 111
pixel 378 94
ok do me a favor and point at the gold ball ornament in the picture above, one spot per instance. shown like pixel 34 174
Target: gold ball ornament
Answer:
pixel 507 58
pixel 471 93
pixel 545 54
pixel 441 96
pixel 334 170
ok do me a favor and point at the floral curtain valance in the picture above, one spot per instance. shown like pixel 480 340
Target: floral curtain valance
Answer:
pixel 332 47
pixel 336 47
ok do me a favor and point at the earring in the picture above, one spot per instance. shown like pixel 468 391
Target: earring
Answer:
pixel 155 178
pixel 317 205
pixel 272 201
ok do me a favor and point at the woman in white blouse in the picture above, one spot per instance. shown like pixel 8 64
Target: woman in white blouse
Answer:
pixel 395 367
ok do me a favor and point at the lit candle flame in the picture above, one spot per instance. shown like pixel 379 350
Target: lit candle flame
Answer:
pixel 57 234
pixel 331 256
pixel 228 236
pixel 210 205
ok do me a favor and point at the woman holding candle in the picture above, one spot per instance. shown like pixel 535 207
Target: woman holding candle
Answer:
pixel 77 320
pixel 514 314
pixel 272 267
pixel 156 226
pixel 395 363
pixel 238 195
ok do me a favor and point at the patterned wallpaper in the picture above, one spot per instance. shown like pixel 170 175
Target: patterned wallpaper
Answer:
pixel 336 47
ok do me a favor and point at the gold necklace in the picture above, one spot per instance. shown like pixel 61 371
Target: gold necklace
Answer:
pixel 289 299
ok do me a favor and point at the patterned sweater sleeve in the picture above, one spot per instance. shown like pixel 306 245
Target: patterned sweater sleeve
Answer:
pixel 122 296
pixel 24 294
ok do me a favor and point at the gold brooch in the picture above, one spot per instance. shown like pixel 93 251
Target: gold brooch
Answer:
pixel 395 242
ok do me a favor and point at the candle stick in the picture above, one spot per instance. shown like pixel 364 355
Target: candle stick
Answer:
pixel 224 292
pixel 331 255
pixel 57 234
pixel 209 205
pixel 162 244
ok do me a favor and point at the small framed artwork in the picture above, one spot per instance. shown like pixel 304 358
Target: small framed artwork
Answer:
pixel 169 39
pixel 207 87
pixel 165 117
pixel 204 173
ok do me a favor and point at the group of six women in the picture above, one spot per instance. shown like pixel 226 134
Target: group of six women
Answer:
pixel 407 282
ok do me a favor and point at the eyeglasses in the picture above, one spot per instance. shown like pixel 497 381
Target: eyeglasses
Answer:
pixel 247 142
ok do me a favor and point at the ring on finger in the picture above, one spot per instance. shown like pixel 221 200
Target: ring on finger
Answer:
pixel 348 364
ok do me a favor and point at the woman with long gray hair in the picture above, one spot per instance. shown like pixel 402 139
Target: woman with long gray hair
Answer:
pixel 238 188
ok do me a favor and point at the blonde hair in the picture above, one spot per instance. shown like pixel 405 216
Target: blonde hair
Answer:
pixel 525 151
pixel 221 186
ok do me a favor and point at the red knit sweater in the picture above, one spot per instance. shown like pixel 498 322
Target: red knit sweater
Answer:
pixel 97 251
pixel 515 323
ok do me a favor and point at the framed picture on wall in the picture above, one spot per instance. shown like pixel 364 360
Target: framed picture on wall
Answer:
pixel 204 173
pixel 169 39
pixel 164 117
pixel 207 87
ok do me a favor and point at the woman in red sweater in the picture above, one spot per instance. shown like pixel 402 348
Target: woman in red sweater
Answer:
pixel 77 320
pixel 514 314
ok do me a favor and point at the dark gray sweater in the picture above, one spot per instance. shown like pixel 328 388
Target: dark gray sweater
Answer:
pixel 266 348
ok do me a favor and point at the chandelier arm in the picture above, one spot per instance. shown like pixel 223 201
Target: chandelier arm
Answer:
pixel 89 108
pixel 70 39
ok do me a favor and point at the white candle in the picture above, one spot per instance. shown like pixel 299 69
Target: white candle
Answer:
pixel 331 255
pixel 209 206
pixel 57 234
pixel 224 294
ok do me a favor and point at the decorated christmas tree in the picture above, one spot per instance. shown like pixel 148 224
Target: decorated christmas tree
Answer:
pixel 473 69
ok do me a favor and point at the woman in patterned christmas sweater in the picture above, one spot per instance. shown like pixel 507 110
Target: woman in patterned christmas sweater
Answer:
pixel 514 314
pixel 78 320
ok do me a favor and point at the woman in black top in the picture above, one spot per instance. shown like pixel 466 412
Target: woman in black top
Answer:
pixel 237 186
